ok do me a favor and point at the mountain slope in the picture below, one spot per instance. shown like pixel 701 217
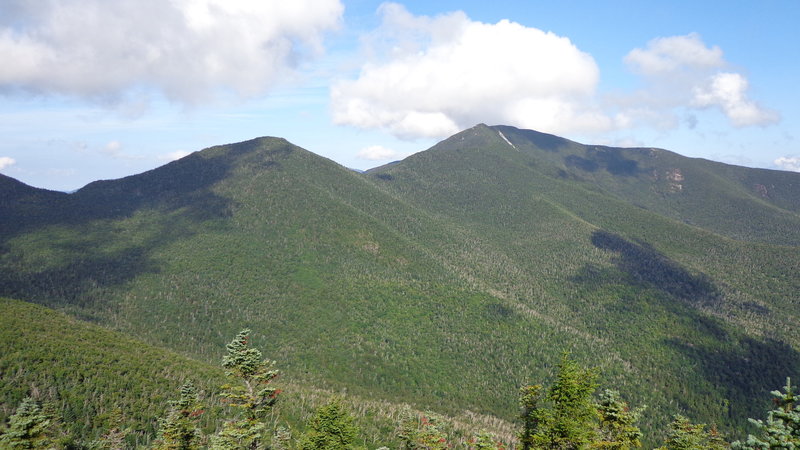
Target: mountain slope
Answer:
pixel 87 376
pixel 448 279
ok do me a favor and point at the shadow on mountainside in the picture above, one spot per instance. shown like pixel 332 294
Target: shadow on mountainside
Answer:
pixel 647 266
pixel 94 239
pixel 609 159
pixel 744 369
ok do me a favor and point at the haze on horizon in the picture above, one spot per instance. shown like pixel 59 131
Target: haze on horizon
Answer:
pixel 102 90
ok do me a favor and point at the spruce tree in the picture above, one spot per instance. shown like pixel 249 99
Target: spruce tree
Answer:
pixel 684 435
pixel 27 428
pixel 782 428
pixel 570 420
pixel 250 391
pixel 179 430
pixel 617 428
pixel 330 428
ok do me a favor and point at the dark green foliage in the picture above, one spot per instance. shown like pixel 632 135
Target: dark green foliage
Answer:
pixel 618 428
pixel 684 435
pixel 179 430
pixel 568 419
pixel 27 428
pixel 782 428
pixel 250 390
pixel 330 428
pixel 531 415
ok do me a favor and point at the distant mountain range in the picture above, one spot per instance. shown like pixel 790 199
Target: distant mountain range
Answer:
pixel 446 280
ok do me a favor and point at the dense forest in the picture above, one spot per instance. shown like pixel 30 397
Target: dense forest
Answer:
pixel 445 282
pixel 567 415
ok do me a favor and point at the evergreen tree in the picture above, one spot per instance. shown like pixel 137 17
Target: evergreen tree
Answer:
pixel 114 437
pixel 684 435
pixel 570 421
pixel 422 433
pixel 330 428
pixel 617 428
pixel 179 430
pixel 250 391
pixel 27 428
pixel 782 429
pixel 531 414
pixel 485 441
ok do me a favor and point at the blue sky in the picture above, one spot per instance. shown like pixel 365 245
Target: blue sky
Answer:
pixel 93 89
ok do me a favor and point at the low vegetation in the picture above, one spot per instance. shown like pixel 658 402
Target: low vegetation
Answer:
pixel 568 415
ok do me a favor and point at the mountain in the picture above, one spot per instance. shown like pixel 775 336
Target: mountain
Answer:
pixel 446 280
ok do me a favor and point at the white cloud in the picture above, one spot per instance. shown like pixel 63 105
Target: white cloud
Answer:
pixel 6 161
pixel 189 50
pixel 728 92
pixel 172 156
pixel 682 72
pixel 667 55
pixel 791 163
pixel 431 77
pixel 377 153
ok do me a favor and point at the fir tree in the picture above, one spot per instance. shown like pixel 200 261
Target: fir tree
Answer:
pixel 179 430
pixel 423 432
pixel 684 435
pixel 250 391
pixel 27 428
pixel 330 428
pixel 570 421
pixel 782 429
pixel 485 441
pixel 617 428
pixel 531 414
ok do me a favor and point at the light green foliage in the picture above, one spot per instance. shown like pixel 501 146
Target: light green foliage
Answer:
pixel 27 428
pixel 330 428
pixel 250 391
pixel 618 429
pixel 485 441
pixel 179 429
pixel 684 435
pixel 782 428
pixel 422 432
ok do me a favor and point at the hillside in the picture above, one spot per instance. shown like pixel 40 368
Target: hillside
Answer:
pixel 446 280
pixel 88 377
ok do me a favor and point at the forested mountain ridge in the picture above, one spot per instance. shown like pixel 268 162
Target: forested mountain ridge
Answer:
pixel 449 279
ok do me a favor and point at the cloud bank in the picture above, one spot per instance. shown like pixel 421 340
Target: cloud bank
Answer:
pixel 681 71
pixel 188 50
pixel 448 72
pixel 433 76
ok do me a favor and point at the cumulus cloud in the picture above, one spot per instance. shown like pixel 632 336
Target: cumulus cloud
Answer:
pixel 728 92
pixel 432 76
pixel 6 161
pixel 189 50
pixel 791 163
pixel 377 153
pixel 667 55
pixel 682 71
